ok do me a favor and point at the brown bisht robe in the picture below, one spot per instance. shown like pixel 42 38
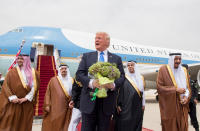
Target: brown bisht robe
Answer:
pixel 59 115
pixel 17 117
pixel 174 115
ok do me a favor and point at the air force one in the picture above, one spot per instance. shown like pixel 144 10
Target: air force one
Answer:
pixel 67 45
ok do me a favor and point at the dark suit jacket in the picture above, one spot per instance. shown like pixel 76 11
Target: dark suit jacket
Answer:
pixel 76 93
pixel 194 90
pixel 86 104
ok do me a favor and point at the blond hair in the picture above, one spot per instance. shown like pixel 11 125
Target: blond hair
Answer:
pixel 106 36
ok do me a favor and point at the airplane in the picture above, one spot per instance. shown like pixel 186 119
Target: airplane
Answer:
pixel 71 44
pixel 68 45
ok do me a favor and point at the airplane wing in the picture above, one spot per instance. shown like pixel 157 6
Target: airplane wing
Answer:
pixel 194 70
pixel 150 73
pixel 150 76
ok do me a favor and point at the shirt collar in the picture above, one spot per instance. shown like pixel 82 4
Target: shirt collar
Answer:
pixel 105 52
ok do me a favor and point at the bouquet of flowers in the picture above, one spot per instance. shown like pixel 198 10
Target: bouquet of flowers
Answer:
pixel 106 73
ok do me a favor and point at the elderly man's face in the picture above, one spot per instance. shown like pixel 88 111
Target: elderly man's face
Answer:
pixel 177 61
pixel 101 42
pixel 20 61
pixel 131 66
pixel 63 71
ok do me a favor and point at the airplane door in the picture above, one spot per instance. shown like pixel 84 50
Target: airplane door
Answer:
pixel 48 50
pixel 43 49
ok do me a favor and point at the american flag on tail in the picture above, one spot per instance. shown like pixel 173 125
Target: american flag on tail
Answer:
pixel 19 51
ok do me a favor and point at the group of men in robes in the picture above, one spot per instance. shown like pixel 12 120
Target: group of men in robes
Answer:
pixel 65 96
pixel 68 100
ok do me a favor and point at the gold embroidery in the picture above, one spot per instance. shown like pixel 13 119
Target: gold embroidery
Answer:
pixel 21 77
pixel 61 84
pixel 34 80
pixel 188 83
pixel 172 76
pixel 134 85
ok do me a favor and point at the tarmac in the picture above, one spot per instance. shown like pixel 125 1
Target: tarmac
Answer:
pixel 151 114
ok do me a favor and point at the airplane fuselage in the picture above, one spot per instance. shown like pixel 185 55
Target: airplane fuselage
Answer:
pixel 72 44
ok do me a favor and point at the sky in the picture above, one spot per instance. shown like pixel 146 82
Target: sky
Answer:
pixel 160 23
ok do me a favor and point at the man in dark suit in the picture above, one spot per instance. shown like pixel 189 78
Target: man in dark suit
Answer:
pixel 192 105
pixel 193 102
pixel 97 114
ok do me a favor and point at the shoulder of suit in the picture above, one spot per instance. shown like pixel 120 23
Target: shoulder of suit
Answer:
pixel 114 54
pixel 89 53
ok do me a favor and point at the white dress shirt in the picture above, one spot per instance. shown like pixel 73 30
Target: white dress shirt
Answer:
pixel 105 56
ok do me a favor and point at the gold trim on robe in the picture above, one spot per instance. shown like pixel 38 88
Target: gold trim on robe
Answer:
pixel 61 84
pixel 133 84
pixel 21 77
pixel 188 83
pixel 172 76
pixel 34 81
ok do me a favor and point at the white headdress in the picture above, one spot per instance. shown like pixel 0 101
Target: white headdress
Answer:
pixel 67 81
pixel 179 73
pixel 137 78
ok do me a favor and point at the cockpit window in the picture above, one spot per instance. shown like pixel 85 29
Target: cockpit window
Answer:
pixel 17 30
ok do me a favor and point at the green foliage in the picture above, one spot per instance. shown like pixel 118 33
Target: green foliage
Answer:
pixel 102 93
pixel 105 69
pixel 106 73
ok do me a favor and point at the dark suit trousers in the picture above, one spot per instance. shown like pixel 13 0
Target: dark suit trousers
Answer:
pixel 97 120
pixel 193 115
